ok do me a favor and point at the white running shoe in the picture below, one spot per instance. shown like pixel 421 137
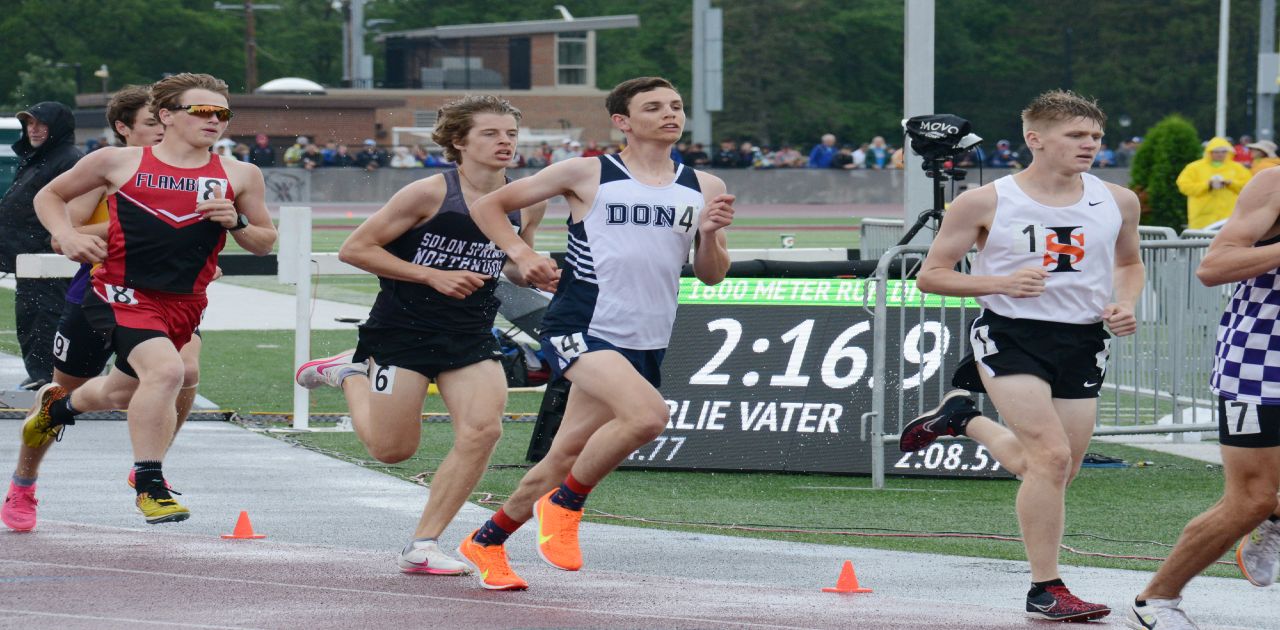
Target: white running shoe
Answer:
pixel 1159 614
pixel 1258 555
pixel 326 371
pixel 425 556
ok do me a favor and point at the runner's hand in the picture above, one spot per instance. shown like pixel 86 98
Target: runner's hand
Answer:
pixel 540 271
pixel 82 248
pixel 718 215
pixel 1120 320
pixel 1026 282
pixel 218 209
pixel 457 283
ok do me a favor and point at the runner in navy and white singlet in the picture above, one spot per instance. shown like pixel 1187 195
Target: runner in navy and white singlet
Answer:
pixel 171 207
pixel 1246 379
pixel 433 318
pixel 1058 262
pixel 633 218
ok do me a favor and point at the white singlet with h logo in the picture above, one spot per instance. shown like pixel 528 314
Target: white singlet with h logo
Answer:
pixel 1076 244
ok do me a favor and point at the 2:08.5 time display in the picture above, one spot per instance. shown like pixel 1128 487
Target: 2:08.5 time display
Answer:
pixel 949 457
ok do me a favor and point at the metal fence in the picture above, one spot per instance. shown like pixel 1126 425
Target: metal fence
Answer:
pixel 1158 375
pixel 878 235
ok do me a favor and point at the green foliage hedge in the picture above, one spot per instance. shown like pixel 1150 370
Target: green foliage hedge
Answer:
pixel 1166 149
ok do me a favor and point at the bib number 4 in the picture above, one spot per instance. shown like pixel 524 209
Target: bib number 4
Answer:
pixel 569 347
pixel 686 220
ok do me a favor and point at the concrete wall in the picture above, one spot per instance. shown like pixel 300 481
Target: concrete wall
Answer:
pixel 782 186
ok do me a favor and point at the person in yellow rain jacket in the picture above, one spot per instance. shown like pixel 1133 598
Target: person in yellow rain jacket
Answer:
pixel 1211 184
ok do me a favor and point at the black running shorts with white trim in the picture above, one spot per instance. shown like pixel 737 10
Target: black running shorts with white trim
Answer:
pixel 1072 358
pixel 1247 425
pixel 427 353
pixel 79 350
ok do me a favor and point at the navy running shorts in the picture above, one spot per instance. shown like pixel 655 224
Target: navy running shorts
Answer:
pixel 565 350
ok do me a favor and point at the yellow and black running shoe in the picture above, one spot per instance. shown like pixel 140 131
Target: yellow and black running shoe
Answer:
pixel 39 429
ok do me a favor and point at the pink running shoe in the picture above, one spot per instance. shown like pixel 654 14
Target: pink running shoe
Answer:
pixel 317 372
pixel 19 511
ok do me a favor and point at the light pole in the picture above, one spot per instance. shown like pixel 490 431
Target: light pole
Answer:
pixel 74 64
pixel 105 75
pixel 250 37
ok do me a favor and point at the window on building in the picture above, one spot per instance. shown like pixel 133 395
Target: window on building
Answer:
pixel 571 58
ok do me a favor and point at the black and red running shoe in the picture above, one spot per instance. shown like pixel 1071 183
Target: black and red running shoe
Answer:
pixel 948 418
pixel 1056 603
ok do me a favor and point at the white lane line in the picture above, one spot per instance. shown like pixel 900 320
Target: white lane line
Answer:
pixel 148 622
pixel 361 591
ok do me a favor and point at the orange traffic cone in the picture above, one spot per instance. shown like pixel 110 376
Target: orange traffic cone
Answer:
pixel 244 530
pixel 847 582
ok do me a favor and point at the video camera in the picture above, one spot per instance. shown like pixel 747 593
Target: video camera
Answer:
pixel 939 137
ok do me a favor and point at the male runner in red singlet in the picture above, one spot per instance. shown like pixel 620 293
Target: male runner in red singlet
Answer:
pixel 79 351
pixel 171 209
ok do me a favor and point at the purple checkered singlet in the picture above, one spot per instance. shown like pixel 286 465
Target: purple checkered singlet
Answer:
pixel 1246 363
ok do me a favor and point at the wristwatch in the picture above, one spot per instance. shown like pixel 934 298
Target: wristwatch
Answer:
pixel 242 222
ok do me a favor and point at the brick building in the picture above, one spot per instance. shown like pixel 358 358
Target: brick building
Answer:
pixel 547 68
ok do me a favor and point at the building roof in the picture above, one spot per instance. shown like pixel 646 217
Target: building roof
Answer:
pixel 531 27
pixel 290 85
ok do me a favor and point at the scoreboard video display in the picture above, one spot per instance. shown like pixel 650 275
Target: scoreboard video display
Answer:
pixel 774 374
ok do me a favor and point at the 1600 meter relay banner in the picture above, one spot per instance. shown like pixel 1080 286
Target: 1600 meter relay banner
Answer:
pixel 775 374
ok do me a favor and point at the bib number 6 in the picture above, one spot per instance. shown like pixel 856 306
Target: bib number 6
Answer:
pixel 383 379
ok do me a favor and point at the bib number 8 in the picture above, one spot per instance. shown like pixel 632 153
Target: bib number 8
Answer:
pixel 121 295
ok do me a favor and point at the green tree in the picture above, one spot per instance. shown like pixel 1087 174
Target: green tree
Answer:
pixel 41 80
pixel 1166 149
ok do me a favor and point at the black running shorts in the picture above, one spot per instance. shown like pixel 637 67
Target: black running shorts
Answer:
pixel 79 350
pixel 427 353
pixel 1247 425
pixel 1072 358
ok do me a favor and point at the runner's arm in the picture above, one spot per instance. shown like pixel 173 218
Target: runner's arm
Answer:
pixel 410 206
pixel 490 211
pixel 90 173
pixel 259 237
pixel 1232 256
pixel 530 220
pixel 961 227
pixel 1130 273
pixel 711 248
pixel 81 210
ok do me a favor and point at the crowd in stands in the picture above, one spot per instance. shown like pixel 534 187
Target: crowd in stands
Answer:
pixel 877 154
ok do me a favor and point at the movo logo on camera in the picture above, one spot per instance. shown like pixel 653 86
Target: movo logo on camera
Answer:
pixel 939 127
pixel 1063 246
